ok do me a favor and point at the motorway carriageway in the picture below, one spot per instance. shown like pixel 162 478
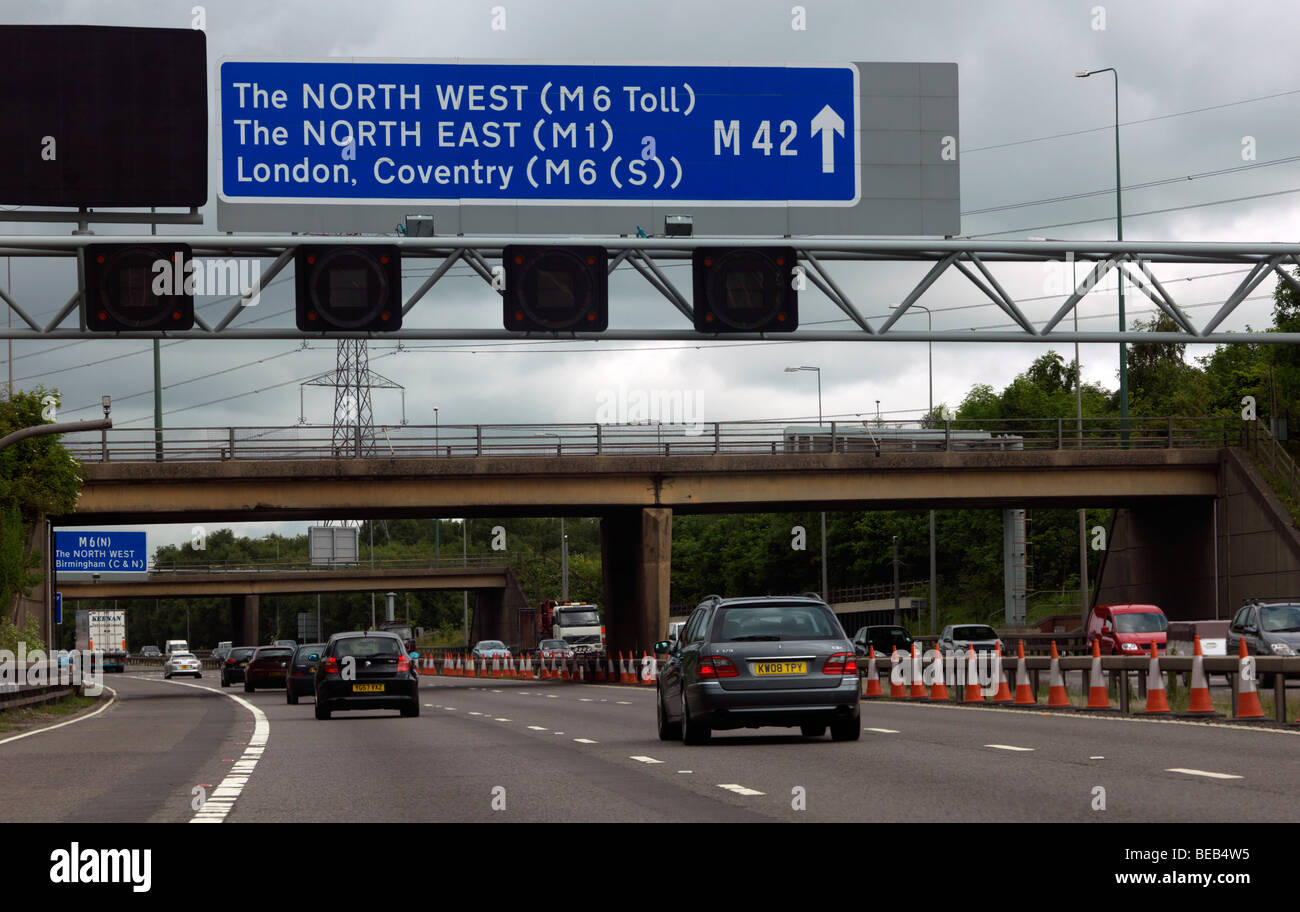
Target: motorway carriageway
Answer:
pixel 589 753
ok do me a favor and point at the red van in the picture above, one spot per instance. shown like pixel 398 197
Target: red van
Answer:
pixel 1127 629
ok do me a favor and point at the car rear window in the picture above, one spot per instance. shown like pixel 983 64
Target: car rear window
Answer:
pixel 973 633
pixel 775 622
pixel 365 647
pixel 241 653
pixel 274 653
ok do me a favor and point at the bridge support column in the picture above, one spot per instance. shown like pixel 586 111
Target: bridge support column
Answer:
pixel 492 620
pixel 244 616
pixel 636 559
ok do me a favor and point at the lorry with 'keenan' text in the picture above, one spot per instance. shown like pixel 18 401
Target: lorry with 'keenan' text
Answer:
pixel 103 630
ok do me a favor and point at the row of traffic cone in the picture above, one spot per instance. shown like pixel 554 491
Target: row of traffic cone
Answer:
pixel 1199 702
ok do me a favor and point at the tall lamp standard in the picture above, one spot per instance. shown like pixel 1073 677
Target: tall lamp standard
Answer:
pixel 934 605
pixel 826 592
pixel 1119 235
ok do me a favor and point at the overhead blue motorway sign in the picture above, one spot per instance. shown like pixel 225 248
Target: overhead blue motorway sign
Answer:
pixel 536 147
pixel 100 552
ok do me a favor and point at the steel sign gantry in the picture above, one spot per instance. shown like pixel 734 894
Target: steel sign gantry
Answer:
pixel 970 258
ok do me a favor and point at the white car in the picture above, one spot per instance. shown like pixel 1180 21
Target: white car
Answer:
pixel 182 663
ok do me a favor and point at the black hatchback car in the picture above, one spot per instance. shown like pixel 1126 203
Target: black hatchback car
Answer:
pixel 232 667
pixel 752 662
pixel 301 680
pixel 366 670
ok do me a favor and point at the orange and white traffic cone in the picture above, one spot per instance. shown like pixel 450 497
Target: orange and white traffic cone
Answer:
pixel 599 675
pixel 917 690
pixel 1198 702
pixel 1157 701
pixel 873 676
pixel 496 666
pixel 1098 698
pixel 1003 693
pixel 973 692
pixel 1025 695
pixel 1248 705
pixel 1057 696
pixel 938 689
pixel 897 689
pixel 526 667
pixel 627 673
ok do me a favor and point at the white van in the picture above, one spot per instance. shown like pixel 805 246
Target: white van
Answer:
pixel 175 646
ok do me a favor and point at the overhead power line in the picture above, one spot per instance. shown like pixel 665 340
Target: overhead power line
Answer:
pixel 1129 123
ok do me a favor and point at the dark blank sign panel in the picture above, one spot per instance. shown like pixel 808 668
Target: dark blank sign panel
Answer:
pixel 98 116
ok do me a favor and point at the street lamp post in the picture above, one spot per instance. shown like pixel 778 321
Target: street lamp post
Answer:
pixel 826 592
pixel 934 604
pixel 1119 235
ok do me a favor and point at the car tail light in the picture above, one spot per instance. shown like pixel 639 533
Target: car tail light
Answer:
pixel 841 663
pixel 230 661
pixel 331 665
pixel 717 667
pixel 404 663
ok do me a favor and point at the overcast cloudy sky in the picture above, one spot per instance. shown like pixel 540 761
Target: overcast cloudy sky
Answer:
pixel 1200 81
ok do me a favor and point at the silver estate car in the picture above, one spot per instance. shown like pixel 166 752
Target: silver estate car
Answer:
pixel 759 661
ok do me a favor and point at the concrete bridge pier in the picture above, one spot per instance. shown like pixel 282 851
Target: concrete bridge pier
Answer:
pixel 636 556
pixel 244 616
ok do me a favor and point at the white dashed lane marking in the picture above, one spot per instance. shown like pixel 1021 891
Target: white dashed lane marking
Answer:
pixel 537 728
pixel 584 741
pixel 1008 747
pixel 645 759
pixel 883 731
pixel 1208 775
pixel 739 789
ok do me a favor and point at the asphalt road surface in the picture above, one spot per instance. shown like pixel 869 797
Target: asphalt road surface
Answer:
pixel 493 751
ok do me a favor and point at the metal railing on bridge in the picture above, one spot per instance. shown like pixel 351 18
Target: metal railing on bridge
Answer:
pixel 449 561
pixel 659 439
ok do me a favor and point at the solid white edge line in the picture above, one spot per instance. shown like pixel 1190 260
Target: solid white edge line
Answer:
pixel 216 808
pixel 37 731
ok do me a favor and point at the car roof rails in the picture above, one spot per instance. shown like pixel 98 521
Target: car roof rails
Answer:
pixel 711 598
pixel 813 595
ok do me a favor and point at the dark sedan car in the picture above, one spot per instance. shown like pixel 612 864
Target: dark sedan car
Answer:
pixel 301 681
pixel 884 637
pixel 366 670
pixel 751 662
pixel 232 669
pixel 268 667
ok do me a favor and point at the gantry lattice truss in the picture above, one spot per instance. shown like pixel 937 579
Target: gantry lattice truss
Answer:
pixel 1131 260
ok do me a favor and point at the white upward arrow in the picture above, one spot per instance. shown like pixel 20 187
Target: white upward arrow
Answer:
pixel 828 123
